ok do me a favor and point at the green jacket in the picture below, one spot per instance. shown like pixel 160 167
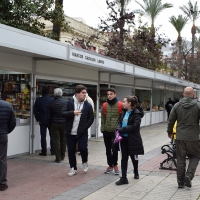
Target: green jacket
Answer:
pixel 110 121
pixel 187 114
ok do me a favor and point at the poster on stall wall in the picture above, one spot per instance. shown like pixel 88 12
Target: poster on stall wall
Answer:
pixel 24 88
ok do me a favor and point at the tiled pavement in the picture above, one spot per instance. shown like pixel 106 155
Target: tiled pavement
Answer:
pixel 33 177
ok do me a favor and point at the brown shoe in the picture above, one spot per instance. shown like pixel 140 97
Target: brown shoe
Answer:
pixel 3 187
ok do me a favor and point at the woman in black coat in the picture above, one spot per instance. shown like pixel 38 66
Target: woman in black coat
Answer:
pixel 131 144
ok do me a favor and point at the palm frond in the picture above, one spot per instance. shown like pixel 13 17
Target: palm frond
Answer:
pixel 191 10
pixel 138 11
pixel 198 29
pixel 178 22
pixel 153 7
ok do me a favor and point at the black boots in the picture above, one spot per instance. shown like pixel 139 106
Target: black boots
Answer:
pixel 122 181
pixel 188 182
pixel 136 176
pixel 181 185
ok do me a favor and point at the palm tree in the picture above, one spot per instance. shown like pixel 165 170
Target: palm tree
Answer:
pixel 179 24
pixel 192 12
pixel 152 8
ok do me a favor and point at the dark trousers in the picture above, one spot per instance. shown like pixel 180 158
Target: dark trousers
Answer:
pixel 3 158
pixel 124 158
pixel 43 133
pixel 168 113
pixel 112 156
pixel 184 148
pixel 59 140
pixel 82 146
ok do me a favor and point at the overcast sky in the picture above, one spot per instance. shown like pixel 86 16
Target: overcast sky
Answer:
pixel 91 10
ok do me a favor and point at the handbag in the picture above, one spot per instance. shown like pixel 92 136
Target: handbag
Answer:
pixel 118 137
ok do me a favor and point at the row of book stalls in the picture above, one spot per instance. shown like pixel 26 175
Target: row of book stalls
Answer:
pixel 25 70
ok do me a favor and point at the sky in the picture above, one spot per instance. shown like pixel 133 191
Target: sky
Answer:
pixel 91 10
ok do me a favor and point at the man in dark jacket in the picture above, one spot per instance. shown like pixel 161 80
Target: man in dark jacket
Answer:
pixel 40 112
pixel 57 124
pixel 7 125
pixel 79 117
pixel 187 114
pixel 169 106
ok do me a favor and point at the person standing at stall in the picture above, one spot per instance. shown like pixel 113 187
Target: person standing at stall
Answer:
pixel 40 112
pixel 79 117
pixel 110 114
pixel 169 106
pixel 7 125
pixel 131 144
pixel 56 123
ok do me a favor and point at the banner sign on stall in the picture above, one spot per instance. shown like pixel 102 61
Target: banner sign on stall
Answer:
pixel 84 57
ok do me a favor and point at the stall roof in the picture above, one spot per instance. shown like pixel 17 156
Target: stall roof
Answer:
pixel 20 42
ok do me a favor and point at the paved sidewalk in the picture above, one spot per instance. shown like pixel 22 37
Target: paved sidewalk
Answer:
pixel 33 177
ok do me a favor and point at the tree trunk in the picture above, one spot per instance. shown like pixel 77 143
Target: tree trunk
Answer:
pixel 193 31
pixel 122 22
pixel 179 40
pixel 152 30
pixel 56 29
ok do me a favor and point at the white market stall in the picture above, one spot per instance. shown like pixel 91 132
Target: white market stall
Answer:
pixel 41 61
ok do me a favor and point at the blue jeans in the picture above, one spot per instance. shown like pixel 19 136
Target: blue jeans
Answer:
pixel 3 158
pixel 43 133
pixel 82 146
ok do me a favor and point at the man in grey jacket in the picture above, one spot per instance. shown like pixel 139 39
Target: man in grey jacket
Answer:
pixel 187 114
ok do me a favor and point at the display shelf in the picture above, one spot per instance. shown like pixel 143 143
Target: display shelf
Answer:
pixel 17 93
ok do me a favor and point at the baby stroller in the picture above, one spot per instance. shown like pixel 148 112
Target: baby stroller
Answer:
pixel 170 163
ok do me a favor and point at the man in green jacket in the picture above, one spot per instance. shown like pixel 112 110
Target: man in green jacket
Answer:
pixel 109 122
pixel 187 114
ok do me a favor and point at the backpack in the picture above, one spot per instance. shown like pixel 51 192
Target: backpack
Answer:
pixel 119 107
pixel 170 106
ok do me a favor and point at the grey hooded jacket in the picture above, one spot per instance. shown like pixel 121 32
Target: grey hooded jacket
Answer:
pixel 187 114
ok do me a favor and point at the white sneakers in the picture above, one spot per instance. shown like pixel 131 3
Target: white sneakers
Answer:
pixel 74 172
pixel 85 167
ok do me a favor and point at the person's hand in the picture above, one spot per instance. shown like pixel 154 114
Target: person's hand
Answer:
pixel 170 135
pixel 77 112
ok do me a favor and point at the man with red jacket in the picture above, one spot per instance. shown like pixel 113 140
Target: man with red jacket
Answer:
pixel 109 122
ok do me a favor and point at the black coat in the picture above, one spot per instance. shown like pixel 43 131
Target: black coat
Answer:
pixel 40 108
pixel 7 118
pixel 86 120
pixel 169 105
pixel 54 109
pixel 135 144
